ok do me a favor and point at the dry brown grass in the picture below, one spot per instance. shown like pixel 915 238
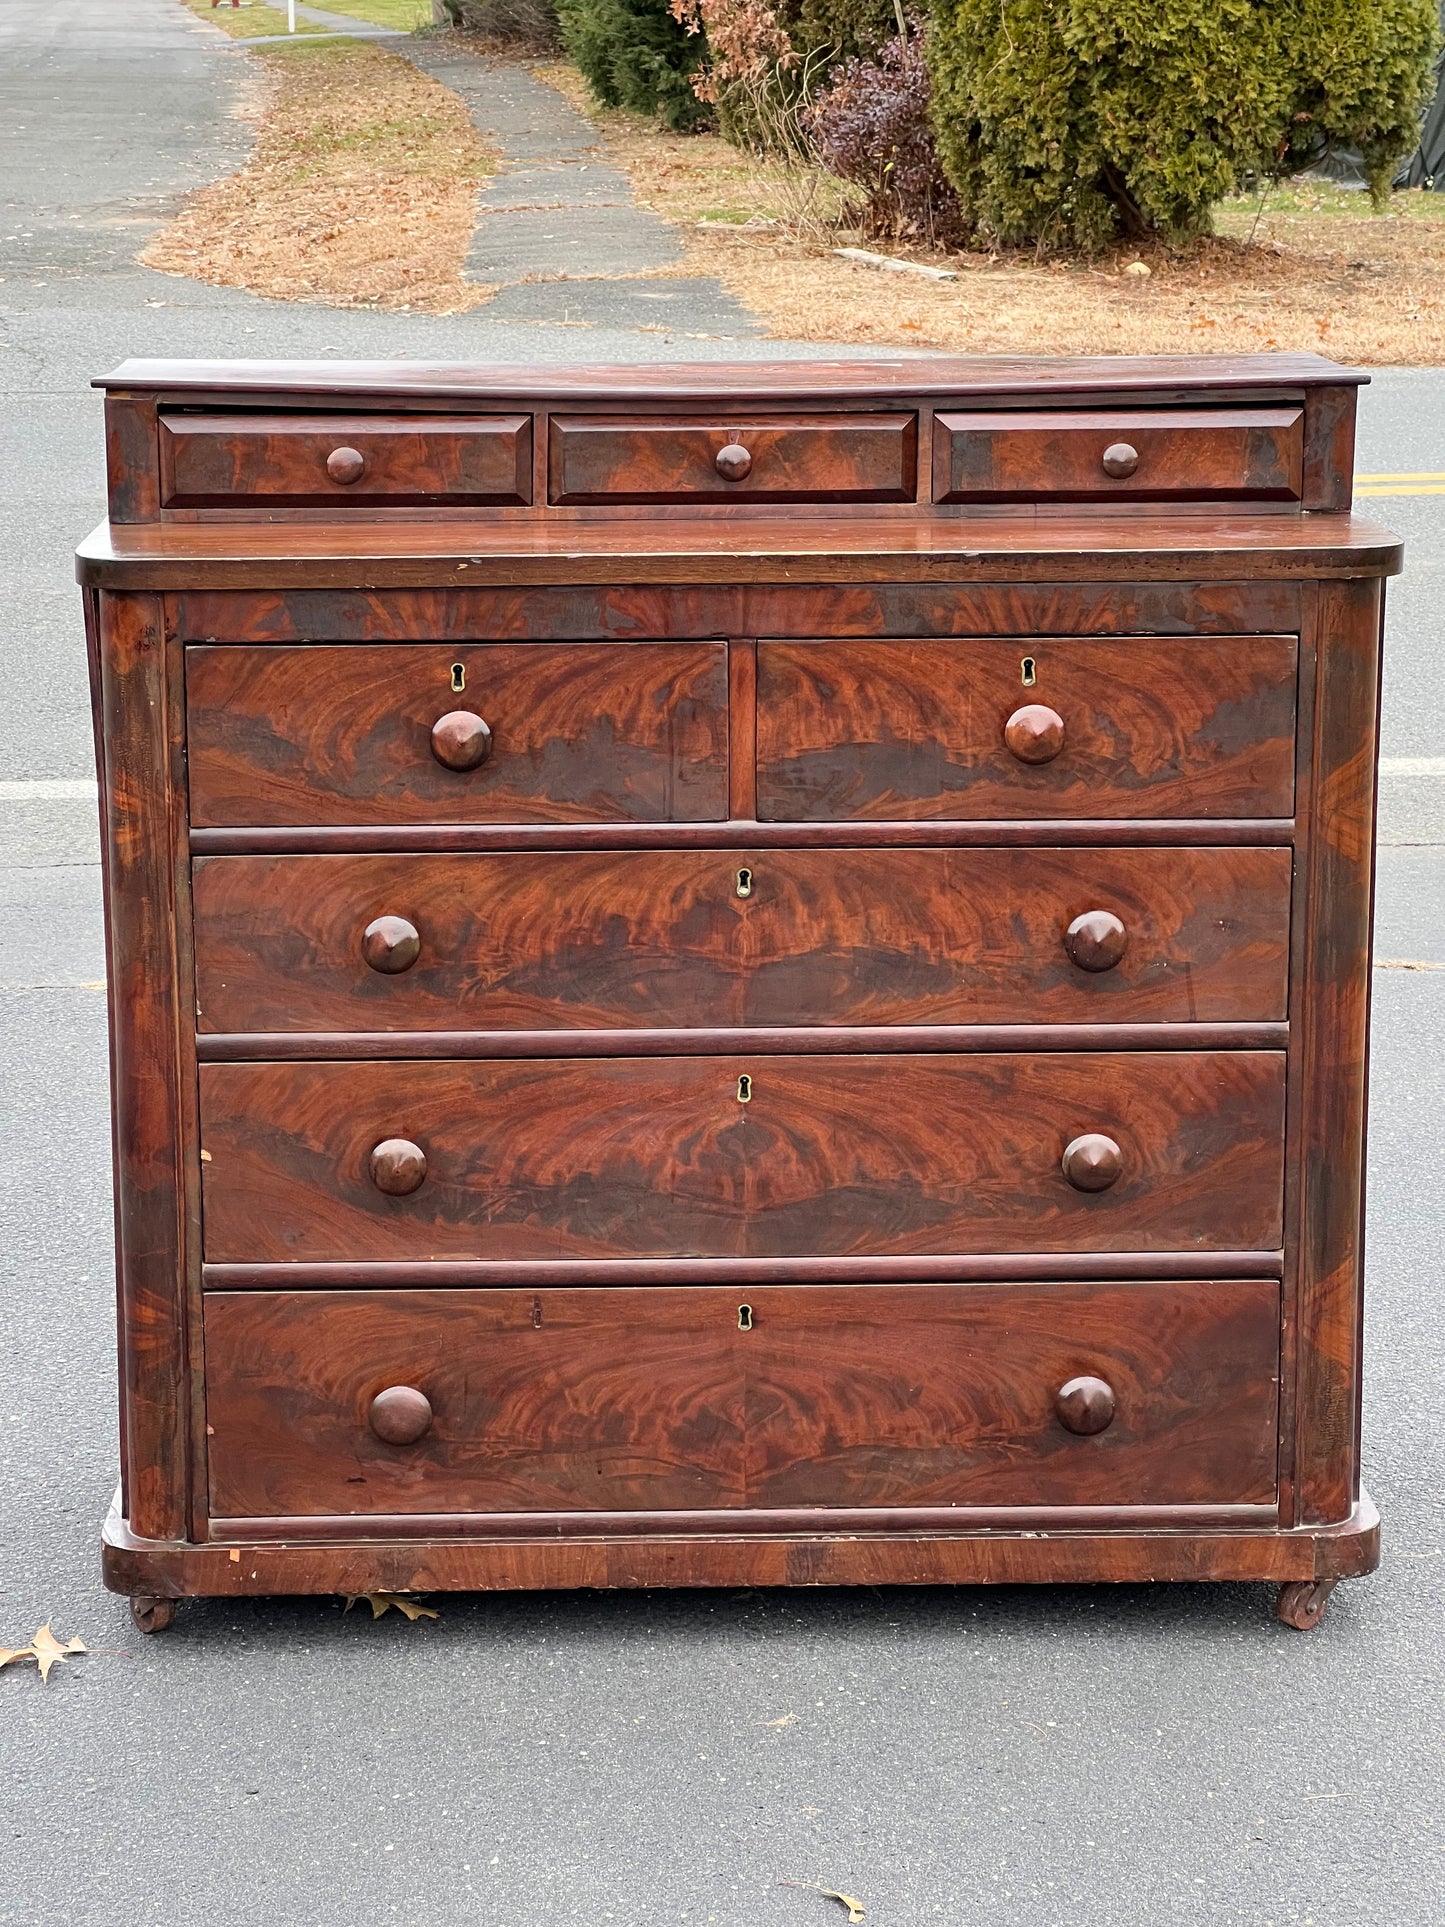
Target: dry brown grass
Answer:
pixel 1316 269
pixel 361 191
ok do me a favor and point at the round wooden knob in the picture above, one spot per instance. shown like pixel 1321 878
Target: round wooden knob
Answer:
pixel 397 1166
pixel 1120 460
pixel 401 1415
pixel 1085 1405
pixel 1096 940
pixel 1092 1162
pixel 1035 733
pixel 390 945
pixel 346 465
pixel 461 740
pixel 734 463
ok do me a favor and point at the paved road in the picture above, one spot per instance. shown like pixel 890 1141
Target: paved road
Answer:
pixel 1097 1757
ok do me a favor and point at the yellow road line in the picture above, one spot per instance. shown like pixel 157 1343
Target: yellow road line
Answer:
pixel 1436 488
pixel 1408 475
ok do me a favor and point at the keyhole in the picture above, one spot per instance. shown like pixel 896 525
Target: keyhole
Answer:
pixel 745 883
pixel 1028 672
pixel 745 1089
pixel 745 1318
pixel 459 678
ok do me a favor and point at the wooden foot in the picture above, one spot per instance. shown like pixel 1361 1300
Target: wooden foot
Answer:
pixel 1302 1603
pixel 150 1614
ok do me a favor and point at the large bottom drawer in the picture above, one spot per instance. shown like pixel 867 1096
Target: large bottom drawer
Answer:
pixel 609 1400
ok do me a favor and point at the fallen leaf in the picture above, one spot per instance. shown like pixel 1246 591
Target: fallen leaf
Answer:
pixel 45 1649
pixel 788 1719
pixel 855 1907
pixel 379 1601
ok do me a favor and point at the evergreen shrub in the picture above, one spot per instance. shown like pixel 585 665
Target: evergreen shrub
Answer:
pixel 1066 123
pixel 635 54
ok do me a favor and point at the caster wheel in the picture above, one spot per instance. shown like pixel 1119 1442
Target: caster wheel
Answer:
pixel 1302 1603
pixel 151 1615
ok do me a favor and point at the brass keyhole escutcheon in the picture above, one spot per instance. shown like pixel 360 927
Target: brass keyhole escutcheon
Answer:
pixel 745 1089
pixel 745 883
pixel 745 1318
pixel 459 678
pixel 1028 672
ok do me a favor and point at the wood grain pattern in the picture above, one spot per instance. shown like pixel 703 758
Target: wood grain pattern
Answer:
pixel 129 667
pixel 433 1556
pixel 1022 378
pixel 641 1094
pixel 727 548
pixel 657 939
pixel 280 461
pixel 795 458
pixel 943 833
pixel 881 1396
pixel 624 612
pixel 1207 454
pixel 916 729
pixel 638 1157
pixel 1335 1051
pixel 343 735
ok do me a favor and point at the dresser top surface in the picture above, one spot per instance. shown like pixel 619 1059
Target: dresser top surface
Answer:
pixel 772 381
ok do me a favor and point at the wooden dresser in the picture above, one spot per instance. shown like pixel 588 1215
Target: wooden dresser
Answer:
pixel 747 975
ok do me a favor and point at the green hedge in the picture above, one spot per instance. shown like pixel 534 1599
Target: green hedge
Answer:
pixel 633 54
pixel 1068 122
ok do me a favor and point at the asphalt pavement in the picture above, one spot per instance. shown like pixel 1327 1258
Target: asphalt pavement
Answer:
pixel 1078 1757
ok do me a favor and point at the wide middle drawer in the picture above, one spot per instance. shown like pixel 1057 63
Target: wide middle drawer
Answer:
pixel 746 1156
pixel 720 938
pixel 468 733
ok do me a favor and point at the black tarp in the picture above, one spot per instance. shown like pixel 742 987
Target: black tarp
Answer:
pixel 1426 166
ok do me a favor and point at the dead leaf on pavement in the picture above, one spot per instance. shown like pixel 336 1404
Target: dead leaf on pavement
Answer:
pixel 379 1601
pixel 45 1649
pixel 788 1719
pixel 855 1907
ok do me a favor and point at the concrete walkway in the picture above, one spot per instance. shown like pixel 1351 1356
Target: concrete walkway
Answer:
pixel 558 234
pixel 559 213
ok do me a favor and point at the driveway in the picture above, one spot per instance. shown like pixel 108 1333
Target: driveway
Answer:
pixel 1072 1758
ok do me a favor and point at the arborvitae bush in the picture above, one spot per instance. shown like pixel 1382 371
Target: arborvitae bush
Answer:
pixel 851 28
pixel 1069 122
pixel 634 54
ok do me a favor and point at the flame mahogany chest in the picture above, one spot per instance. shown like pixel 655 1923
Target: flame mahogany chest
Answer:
pixel 736 975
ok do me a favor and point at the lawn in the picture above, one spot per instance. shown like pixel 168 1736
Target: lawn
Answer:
pixel 248 21
pixel 406 14
pixel 361 191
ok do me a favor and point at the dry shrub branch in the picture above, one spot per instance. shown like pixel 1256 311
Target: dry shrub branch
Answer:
pixel 361 191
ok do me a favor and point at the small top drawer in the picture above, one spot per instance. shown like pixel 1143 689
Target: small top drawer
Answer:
pixel 1164 455
pixel 793 458
pixel 336 461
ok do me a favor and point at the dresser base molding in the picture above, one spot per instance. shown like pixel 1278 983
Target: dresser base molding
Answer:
pixel 151 1569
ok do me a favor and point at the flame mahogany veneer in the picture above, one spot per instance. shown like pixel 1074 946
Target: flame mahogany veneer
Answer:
pixel 737 975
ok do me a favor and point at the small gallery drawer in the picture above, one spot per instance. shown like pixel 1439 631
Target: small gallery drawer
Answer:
pixel 742 1156
pixel 793 458
pixel 603 1400
pixel 336 461
pixel 1163 455
pixel 1072 727
pixel 471 733
pixel 664 939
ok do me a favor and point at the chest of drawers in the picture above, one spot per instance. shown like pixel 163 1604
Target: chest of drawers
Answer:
pixel 736 976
